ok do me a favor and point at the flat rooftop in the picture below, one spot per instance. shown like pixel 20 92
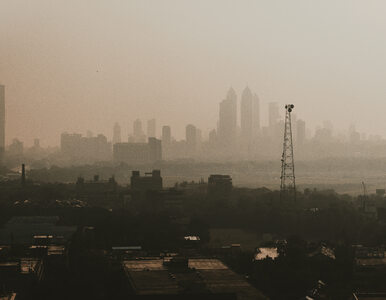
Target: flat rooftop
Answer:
pixel 203 276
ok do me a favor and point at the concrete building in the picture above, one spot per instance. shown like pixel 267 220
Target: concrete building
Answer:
pixel 116 133
pixel 191 139
pixel 151 128
pixel 138 134
pixel 85 149
pixel 138 153
pixel 219 185
pixel 23 229
pixel 166 135
pixel 246 115
pixel 227 125
pixel 255 115
pixel 149 182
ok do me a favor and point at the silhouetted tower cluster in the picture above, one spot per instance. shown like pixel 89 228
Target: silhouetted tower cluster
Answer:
pixel 287 186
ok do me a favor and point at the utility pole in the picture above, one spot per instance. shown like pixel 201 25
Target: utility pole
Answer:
pixel 287 185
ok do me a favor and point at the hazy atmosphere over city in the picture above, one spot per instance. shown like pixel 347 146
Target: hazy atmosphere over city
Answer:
pixel 83 65
pixel 192 149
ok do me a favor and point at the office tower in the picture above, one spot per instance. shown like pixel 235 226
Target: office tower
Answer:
pixel 166 135
pixel 191 138
pixel 246 115
pixel 137 128
pixel 151 128
pixel 2 122
pixel 255 115
pixel 85 149
pixel 139 136
pixel 212 136
pixel 227 125
pixel 300 132
pixel 138 153
pixel 273 114
pixel 116 133
pixel 155 149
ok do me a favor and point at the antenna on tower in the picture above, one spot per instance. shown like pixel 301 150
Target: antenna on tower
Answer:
pixel 287 185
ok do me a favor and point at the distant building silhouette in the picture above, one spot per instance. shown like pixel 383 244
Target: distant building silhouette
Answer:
pixel 166 135
pixel 2 122
pixel 36 143
pixel 150 182
pixel 16 148
pixel 138 153
pixel 212 137
pixel 219 185
pixel 255 115
pixel 155 149
pixel 227 126
pixel 273 114
pixel 116 133
pixel 85 149
pixel 151 128
pixel 246 115
pixel 138 135
pixel 191 138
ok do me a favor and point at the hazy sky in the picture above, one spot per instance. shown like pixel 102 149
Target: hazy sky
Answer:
pixel 74 65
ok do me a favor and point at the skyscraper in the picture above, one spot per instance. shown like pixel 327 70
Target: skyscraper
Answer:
pixel 227 125
pixel 166 135
pixel 273 114
pixel 151 128
pixel 2 122
pixel 191 138
pixel 116 133
pixel 139 136
pixel 255 115
pixel 246 115
pixel 137 128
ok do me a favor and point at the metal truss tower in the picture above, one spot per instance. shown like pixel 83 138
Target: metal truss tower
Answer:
pixel 287 185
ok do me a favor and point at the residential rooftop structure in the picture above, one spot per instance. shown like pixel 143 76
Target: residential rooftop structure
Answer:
pixel 150 181
pixel 186 278
pixel 25 229
pixel 219 185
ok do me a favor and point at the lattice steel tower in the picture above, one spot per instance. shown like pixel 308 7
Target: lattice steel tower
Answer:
pixel 287 186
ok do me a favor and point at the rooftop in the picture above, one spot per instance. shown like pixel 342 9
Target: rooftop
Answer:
pixel 156 276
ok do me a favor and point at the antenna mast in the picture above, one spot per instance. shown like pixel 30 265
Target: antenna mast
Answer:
pixel 287 186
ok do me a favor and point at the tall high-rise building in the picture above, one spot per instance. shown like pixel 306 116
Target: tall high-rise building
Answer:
pixel 138 135
pixel 137 128
pixel 151 128
pixel 246 115
pixel 191 139
pixel 166 135
pixel 2 122
pixel 116 133
pixel 227 125
pixel 255 115
pixel 273 114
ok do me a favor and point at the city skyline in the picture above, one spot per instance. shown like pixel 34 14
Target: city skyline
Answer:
pixel 310 59
pixel 230 127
